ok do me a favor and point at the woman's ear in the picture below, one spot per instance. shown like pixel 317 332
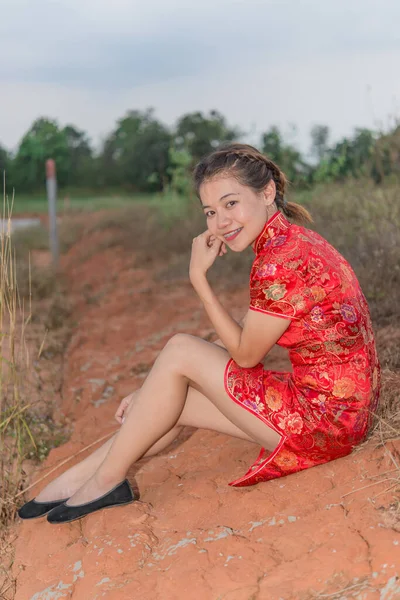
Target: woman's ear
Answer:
pixel 269 193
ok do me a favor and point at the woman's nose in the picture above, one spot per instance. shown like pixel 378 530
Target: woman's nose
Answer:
pixel 223 221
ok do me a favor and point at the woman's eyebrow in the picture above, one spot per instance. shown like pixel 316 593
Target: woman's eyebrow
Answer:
pixel 224 196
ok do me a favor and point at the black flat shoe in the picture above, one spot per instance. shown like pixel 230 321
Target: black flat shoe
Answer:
pixel 34 509
pixel 121 494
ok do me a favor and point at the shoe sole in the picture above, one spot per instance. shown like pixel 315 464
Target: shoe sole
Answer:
pixel 38 517
pixel 92 512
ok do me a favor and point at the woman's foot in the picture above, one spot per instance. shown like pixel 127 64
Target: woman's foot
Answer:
pixel 92 489
pixel 65 485
pixel 69 482
pixel 119 495
pixel 34 510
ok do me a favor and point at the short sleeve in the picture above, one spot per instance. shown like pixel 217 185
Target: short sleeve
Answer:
pixel 277 289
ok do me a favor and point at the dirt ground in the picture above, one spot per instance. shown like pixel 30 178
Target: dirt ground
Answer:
pixel 329 532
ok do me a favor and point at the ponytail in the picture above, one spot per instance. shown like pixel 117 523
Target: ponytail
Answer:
pixel 293 211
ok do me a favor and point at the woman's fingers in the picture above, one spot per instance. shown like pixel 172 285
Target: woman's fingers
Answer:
pixel 124 407
pixel 119 415
pixel 223 250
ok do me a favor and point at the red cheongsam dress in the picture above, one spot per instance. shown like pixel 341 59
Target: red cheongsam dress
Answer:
pixel 324 407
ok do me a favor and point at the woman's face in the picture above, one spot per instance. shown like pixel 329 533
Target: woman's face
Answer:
pixel 235 213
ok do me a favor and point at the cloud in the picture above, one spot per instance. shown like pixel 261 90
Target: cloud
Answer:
pixel 120 44
pixel 112 65
pixel 257 61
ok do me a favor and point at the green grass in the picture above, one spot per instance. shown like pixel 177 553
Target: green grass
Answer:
pixel 38 204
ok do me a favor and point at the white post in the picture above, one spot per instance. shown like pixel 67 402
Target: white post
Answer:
pixel 51 186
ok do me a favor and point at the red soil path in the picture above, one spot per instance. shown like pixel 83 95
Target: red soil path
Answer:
pixel 323 533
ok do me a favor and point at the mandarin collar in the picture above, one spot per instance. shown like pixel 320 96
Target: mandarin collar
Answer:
pixel 276 225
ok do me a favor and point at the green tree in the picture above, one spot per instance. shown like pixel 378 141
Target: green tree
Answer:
pixel 5 162
pixel 80 166
pixel 362 151
pixel 350 157
pixel 272 145
pixel 286 156
pixel 199 134
pixel 319 141
pixel 6 171
pixel 179 171
pixel 136 153
pixel 43 140
pixel 387 155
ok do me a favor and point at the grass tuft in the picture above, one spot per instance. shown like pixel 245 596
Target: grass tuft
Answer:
pixel 32 342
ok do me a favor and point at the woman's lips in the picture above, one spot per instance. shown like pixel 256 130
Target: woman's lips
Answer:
pixel 233 236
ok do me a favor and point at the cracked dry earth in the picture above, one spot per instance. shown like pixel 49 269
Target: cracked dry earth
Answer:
pixel 314 535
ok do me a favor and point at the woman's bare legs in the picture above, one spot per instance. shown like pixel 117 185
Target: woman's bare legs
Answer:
pixel 198 412
pixel 71 480
pixel 185 360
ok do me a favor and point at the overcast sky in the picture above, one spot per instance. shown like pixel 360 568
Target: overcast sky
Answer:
pixel 259 62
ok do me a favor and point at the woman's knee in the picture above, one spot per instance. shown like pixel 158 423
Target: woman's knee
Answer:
pixel 179 345
pixel 180 340
pixel 179 351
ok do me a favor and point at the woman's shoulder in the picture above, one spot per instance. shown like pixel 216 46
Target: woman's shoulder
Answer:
pixel 296 243
pixel 296 246
pixel 322 263
pixel 302 254
pixel 306 236
pixel 311 243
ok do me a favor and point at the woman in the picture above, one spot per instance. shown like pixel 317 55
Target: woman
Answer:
pixel 303 296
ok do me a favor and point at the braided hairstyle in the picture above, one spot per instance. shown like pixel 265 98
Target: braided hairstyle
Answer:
pixel 252 169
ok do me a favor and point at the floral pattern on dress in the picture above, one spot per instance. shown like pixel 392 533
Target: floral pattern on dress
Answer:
pixel 324 407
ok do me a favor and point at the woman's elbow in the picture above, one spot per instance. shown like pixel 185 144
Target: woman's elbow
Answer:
pixel 247 362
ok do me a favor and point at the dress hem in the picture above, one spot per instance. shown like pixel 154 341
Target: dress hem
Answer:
pixel 273 314
pixel 262 418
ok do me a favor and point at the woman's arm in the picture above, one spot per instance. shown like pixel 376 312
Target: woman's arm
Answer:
pixel 247 345
pixel 218 342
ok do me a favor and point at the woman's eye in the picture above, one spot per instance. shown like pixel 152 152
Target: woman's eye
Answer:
pixel 209 213
pixel 231 203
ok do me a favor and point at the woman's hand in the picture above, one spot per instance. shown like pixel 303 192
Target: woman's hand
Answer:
pixel 205 249
pixel 124 407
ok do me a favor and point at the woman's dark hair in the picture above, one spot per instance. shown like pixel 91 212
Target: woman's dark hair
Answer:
pixel 250 168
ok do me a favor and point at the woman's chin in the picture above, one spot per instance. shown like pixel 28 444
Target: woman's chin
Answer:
pixel 237 247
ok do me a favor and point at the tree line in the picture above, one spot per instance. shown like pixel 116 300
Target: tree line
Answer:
pixel 144 155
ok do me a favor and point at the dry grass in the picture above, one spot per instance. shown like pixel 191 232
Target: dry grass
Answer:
pixel 32 344
pixel 388 423
pixel 363 222
pixel 15 362
pixel 158 238
pixel 30 339
pixel 7 580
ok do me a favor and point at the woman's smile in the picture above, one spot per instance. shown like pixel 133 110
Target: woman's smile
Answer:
pixel 232 234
